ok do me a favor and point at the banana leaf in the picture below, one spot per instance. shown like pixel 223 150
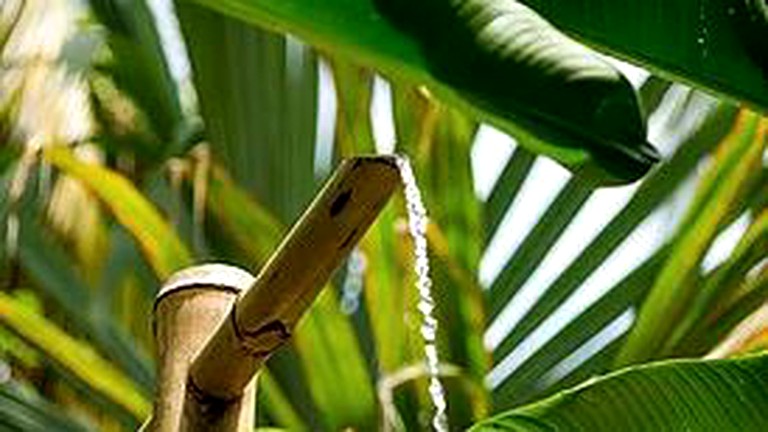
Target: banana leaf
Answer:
pixel 569 103
pixel 691 395
pixel 717 45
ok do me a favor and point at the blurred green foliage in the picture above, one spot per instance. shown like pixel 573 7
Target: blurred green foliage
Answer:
pixel 110 183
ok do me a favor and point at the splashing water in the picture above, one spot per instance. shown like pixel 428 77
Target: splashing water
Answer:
pixel 352 287
pixel 417 227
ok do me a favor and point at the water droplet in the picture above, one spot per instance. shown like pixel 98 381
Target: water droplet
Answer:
pixel 426 307
pixel 417 227
pixel 352 286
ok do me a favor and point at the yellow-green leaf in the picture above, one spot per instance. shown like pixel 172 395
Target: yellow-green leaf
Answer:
pixel 159 243
pixel 75 357
pixel 718 190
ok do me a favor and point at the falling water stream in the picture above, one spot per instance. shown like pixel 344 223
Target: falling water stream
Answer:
pixel 417 227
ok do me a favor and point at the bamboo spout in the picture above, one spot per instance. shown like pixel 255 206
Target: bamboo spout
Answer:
pixel 264 317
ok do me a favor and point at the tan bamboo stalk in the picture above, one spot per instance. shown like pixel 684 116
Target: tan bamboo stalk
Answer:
pixel 188 309
pixel 264 317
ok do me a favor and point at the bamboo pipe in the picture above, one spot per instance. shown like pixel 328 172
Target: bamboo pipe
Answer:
pixel 188 309
pixel 264 317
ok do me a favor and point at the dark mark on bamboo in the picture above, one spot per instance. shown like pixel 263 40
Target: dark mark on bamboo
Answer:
pixel 348 240
pixel 340 202
pixel 273 277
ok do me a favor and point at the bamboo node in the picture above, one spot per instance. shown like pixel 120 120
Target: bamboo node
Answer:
pixel 264 340
pixel 209 406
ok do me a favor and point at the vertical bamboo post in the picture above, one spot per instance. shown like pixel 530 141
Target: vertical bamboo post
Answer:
pixel 264 317
pixel 188 309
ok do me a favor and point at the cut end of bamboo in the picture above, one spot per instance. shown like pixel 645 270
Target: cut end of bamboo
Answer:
pixel 188 309
pixel 214 276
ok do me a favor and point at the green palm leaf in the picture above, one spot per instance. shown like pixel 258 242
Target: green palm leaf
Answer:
pixel 652 192
pixel 139 68
pixel 22 409
pixel 738 156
